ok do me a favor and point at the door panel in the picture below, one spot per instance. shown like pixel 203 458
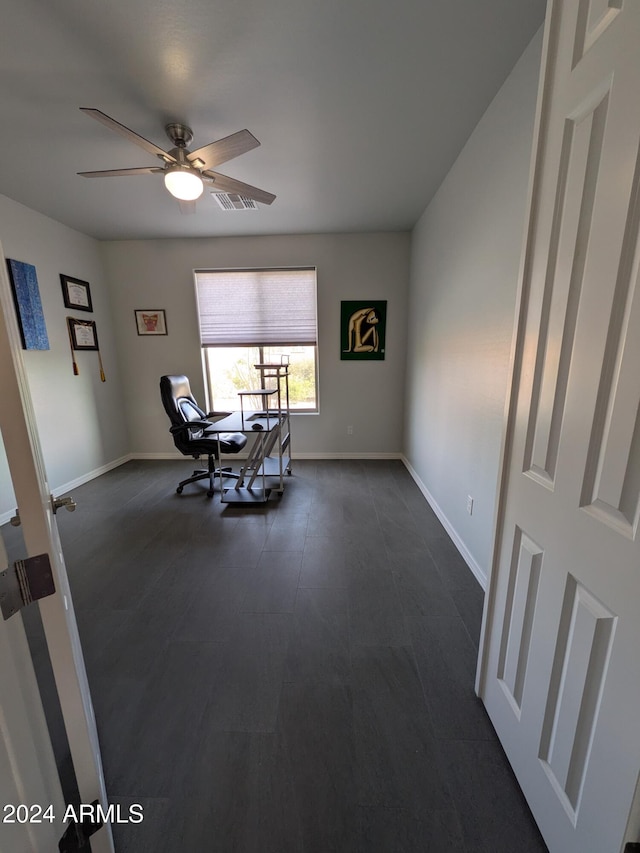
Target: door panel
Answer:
pixel 40 532
pixel 560 670
pixel 28 772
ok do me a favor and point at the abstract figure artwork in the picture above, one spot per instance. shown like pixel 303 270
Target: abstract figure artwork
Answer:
pixel 362 330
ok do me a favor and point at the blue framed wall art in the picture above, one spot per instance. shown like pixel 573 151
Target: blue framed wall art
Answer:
pixel 26 296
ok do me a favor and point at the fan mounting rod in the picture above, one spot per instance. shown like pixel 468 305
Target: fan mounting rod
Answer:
pixel 179 134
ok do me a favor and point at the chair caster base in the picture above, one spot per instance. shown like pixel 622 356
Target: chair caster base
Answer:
pixel 179 490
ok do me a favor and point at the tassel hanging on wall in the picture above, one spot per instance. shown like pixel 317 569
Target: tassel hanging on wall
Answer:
pixel 76 371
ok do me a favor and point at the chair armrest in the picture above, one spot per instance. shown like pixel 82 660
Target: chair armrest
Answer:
pixel 189 425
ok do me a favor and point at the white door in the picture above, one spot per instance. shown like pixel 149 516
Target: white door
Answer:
pixel 27 765
pixel 28 777
pixel 559 670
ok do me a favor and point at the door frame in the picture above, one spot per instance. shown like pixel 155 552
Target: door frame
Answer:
pixel 515 357
pixel 40 533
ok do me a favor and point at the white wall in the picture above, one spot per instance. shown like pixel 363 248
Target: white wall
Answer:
pixel 450 288
pixel 366 395
pixel 464 273
pixel 79 417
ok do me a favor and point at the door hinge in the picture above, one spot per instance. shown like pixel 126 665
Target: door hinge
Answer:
pixel 27 581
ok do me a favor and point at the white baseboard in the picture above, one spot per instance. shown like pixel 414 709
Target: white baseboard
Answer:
pixel 177 457
pixel 91 475
pixel 474 566
pixel 5 517
pixel 63 488
pixel 321 454
pixel 167 455
pixel 314 454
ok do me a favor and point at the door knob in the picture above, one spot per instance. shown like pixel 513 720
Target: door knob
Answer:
pixel 68 503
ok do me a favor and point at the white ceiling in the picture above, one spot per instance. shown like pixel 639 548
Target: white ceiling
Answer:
pixel 361 106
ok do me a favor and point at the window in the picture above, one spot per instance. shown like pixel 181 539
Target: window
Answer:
pixel 258 316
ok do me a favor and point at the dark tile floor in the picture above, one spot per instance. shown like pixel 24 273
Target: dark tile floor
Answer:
pixel 293 678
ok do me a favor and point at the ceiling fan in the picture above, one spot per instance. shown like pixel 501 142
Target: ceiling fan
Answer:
pixel 186 173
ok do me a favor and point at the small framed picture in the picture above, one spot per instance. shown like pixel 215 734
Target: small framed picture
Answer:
pixel 76 293
pixel 151 321
pixel 83 334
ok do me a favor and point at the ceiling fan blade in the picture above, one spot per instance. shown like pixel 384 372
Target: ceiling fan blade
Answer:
pixel 223 150
pixel 112 124
pixel 187 207
pixel 224 184
pixel 110 173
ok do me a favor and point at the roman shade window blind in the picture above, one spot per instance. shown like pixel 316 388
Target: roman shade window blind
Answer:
pixel 239 308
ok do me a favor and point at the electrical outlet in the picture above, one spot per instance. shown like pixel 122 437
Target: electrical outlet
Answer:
pixel 469 504
pixel 349 430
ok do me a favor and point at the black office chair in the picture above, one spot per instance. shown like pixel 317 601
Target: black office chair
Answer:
pixel 189 430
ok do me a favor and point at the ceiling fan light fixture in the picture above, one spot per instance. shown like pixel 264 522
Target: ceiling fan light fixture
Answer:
pixel 186 172
pixel 183 184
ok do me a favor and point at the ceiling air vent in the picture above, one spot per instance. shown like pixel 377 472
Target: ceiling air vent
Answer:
pixel 234 201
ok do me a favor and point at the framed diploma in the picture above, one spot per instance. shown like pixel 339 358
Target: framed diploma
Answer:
pixel 83 334
pixel 76 293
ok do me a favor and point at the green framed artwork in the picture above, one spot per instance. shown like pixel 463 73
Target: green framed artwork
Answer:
pixel 362 330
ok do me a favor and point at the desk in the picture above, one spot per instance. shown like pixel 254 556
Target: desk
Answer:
pixel 263 467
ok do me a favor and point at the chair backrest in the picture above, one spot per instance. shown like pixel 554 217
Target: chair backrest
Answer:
pixel 180 405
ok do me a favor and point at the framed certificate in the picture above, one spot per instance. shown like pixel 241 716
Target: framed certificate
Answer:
pixel 76 293
pixel 83 334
